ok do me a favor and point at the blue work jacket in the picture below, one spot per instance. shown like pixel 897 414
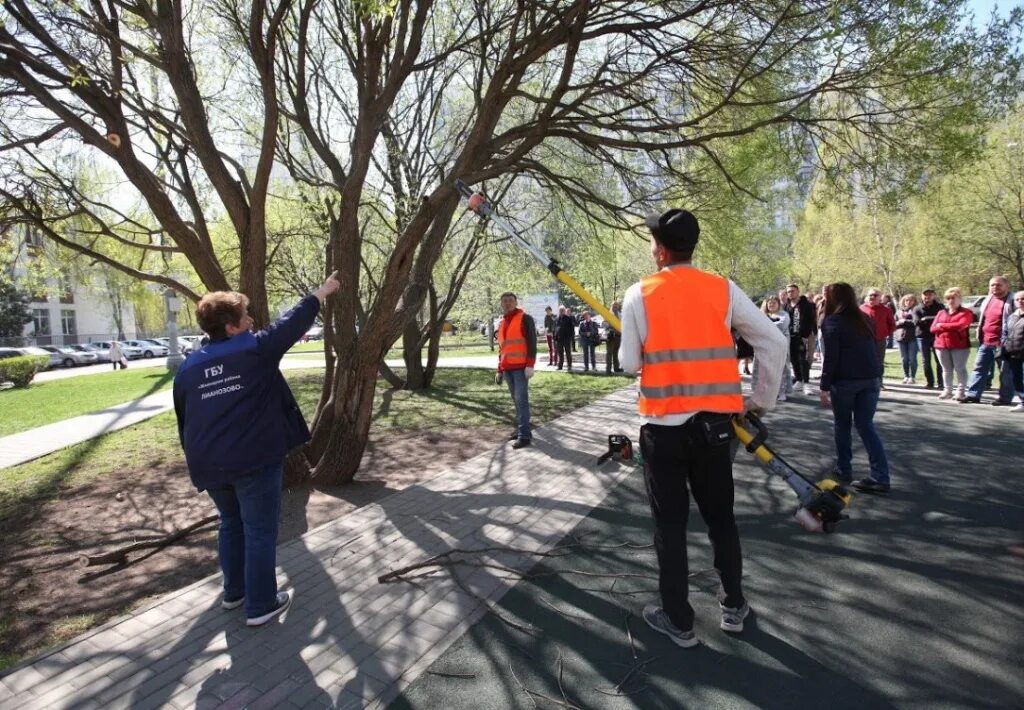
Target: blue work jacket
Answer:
pixel 235 411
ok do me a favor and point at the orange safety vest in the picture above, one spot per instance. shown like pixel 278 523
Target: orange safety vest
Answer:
pixel 512 350
pixel 689 354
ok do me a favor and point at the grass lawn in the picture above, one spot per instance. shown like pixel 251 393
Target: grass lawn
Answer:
pixel 48 402
pixel 450 347
pixel 460 396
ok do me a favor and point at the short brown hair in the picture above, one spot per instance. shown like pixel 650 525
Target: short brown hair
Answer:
pixel 219 309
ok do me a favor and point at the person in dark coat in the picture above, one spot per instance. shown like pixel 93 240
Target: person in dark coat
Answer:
pixel 850 383
pixel 924 315
pixel 237 421
pixel 566 336
pixel 803 324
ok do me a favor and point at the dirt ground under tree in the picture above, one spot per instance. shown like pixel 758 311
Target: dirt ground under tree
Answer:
pixel 48 595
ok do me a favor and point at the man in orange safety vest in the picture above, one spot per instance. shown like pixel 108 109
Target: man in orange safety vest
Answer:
pixel 517 352
pixel 677 329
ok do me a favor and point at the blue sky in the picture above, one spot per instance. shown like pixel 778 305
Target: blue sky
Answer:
pixel 983 8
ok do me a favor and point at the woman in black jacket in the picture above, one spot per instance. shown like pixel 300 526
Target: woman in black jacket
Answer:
pixel 850 384
pixel 906 336
pixel 1013 349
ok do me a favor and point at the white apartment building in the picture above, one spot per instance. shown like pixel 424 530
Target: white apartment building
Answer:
pixel 67 312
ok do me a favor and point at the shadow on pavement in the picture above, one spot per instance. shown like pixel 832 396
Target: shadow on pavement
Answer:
pixel 916 601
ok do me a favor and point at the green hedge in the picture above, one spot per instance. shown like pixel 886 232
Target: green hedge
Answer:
pixel 21 370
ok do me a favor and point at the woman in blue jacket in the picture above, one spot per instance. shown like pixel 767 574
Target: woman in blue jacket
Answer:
pixel 850 384
pixel 237 421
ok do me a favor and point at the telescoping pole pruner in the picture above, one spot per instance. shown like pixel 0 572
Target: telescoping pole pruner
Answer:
pixel 821 504
pixel 479 204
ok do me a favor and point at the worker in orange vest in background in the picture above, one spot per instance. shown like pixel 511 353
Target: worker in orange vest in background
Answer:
pixel 517 352
pixel 677 333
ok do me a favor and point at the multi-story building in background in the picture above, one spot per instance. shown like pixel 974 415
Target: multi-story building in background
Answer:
pixel 63 310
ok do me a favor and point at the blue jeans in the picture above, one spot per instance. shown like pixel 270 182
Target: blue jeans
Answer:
pixel 250 508
pixel 518 387
pixel 984 365
pixel 854 402
pixel 908 352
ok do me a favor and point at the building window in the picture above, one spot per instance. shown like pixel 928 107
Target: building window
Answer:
pixel 67 322
pixel 33 238
pixel 64 284
pixel 41 321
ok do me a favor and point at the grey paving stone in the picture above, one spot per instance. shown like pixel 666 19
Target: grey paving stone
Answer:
pixel 343 617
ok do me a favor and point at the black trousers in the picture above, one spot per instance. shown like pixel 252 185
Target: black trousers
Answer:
pixel 678 461
pixel 564 344
pixel 927 347
pixel 611 361
pixel 798 359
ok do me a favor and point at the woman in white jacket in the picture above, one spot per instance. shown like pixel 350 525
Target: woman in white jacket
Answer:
pixel 772 307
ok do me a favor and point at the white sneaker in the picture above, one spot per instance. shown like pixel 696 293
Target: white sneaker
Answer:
pixel 911 381
pixel 782 398
pixel 1018 408
pixel 946 395
pixel 284 600
pixel 798 388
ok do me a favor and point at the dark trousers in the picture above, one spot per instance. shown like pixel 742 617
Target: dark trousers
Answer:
pixel 611 361
pixel 1016 366
pixel 564 352
pixel 927 347
pixel 552 354
pixel 676 457
pixel 880 349
pixel 798 359
pixel 589 355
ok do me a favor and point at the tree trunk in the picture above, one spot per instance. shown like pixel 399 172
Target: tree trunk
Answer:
pixel 340 438
pixel 412 353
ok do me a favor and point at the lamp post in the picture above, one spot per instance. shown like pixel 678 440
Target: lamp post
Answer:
pixel 173 304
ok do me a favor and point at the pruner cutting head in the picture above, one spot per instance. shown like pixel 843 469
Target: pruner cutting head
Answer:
pixel 476 201
pixel 825 508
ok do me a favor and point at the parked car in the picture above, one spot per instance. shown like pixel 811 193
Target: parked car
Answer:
pixel 190 343
pixel 314 333
pixel 8 352
pixel 69 357
pixel 129 351
pixel 973 304
pixel 55 360
pixel 149 348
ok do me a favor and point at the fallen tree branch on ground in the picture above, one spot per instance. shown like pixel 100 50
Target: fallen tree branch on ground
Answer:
pixel 120 555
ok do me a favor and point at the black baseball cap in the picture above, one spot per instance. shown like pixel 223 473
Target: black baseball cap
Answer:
pixel 675 229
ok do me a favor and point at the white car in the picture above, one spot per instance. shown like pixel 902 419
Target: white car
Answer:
pixel 130 352
pixel 149 348
pixel 55 360
pixel 190 343
pixel 69 356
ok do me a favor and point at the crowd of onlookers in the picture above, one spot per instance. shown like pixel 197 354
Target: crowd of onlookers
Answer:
pixel 933 336
pixel 567 333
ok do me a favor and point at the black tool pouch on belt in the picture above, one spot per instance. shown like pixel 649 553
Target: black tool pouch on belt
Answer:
pixel 716 429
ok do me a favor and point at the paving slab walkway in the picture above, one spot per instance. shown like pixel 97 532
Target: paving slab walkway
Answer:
pixel 348 640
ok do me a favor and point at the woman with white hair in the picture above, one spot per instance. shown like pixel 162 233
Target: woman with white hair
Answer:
pixel 953 343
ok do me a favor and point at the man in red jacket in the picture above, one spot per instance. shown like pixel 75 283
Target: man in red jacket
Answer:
pixel 884 322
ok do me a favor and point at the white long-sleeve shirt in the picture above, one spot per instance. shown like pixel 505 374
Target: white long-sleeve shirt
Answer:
pixel 771 348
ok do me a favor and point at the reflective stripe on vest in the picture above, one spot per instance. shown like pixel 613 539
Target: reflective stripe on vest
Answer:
pixel 689 354
pixel 512 350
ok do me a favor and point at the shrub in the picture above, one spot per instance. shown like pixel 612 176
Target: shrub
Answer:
pixel 21 370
